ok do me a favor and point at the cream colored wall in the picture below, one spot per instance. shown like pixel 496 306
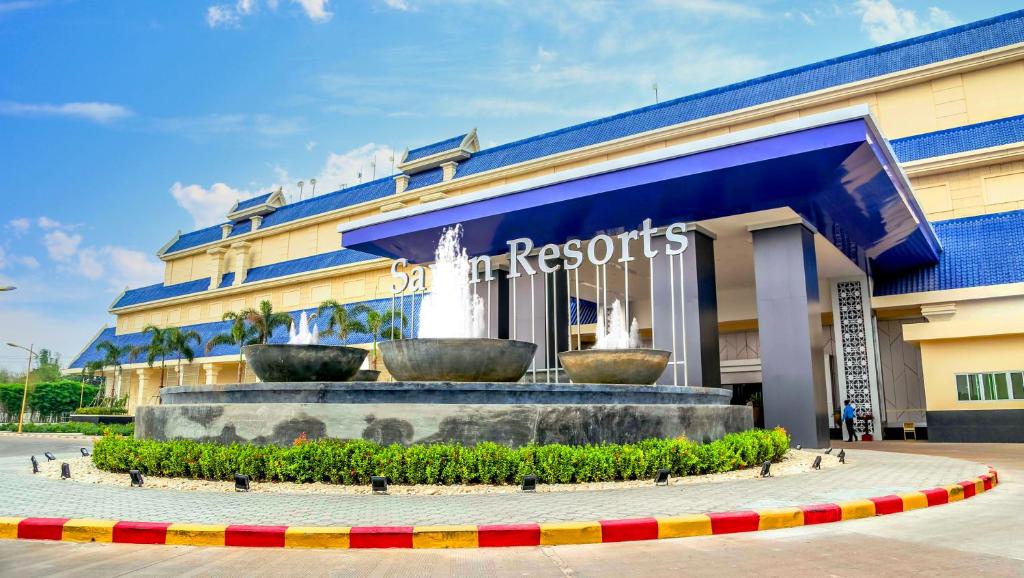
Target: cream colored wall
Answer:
pixel 976 318
pixel 975 191
pixel 941 360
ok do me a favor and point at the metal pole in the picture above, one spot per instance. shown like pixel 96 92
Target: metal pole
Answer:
pixel 651 263
pixel 682 321
pixel 533 324
pixel 625 276
pixel 24 393
pixel 672 299
pixel 579 313
pixel 568 307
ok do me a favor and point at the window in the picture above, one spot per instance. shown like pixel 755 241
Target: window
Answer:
pixel 990 386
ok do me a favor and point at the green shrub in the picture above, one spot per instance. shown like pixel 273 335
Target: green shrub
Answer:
pixel 81 427
pixel 101 410
pixel 353 462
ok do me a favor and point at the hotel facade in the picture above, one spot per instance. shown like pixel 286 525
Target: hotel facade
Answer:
pixel 850 229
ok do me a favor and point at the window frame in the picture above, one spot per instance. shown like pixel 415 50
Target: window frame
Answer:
pixel 985 382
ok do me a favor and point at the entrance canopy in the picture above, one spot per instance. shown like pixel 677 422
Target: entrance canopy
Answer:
pixel 834 169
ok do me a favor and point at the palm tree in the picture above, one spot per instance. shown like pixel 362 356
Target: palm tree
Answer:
pixel 340 321
pixel 112 355
pixel 90 370
pixel 387 325
pixel 265 320
pixel 157 348
pixel 240 334
pixel 179 343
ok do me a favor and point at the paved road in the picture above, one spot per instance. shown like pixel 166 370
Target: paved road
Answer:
pixel 866 474
pixel 13 446
pixel 977 537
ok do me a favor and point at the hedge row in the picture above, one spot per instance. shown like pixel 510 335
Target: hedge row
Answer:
pixel 353 462
pixel 49 399
pixel 101 410
pixel 81 427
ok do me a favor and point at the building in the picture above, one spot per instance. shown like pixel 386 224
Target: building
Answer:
pixel 854 231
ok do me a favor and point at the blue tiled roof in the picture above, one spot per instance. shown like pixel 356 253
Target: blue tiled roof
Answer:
pixel 977 251
pixel 321 261
pixel 434 148
pixel 960 139
pixel 249 203
pixel 943 45
pixel 208 330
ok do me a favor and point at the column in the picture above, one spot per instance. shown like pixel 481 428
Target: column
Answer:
pixel 684 316
pixel 241 261
pixel 789 326
pixel 854 335
pixel 139 399
pixel 211 370
pixel 216 265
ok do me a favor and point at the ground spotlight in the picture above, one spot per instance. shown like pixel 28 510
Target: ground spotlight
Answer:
pixel 35 465
pixel 379 484
pixel 85 453
pixel 817 463
pixel 49 456
pixel 842 456
pixel 65 471
pixel 661 478
pixel 766 469
pixel 136 477
pixel 829 450
pixel 241 483
pixel 529 484
pixel 799 447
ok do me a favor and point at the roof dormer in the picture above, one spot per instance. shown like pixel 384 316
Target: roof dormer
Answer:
pixel 431 156
pixel 260 206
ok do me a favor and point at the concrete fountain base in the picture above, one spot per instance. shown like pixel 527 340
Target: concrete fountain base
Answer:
pixel 426 412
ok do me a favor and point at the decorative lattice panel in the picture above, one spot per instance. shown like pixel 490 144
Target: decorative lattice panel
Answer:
pixel 856 367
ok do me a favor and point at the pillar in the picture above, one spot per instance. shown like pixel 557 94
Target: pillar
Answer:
pixel 210 371
pixel 141 374
pixel 684 316
pixel 789 326
pixel 216 265
pixel 241 261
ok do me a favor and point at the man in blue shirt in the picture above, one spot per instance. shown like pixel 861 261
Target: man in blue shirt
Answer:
pixel 849 414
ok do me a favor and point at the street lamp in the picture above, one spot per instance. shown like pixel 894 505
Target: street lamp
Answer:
pixel 28 372
pixel 8 288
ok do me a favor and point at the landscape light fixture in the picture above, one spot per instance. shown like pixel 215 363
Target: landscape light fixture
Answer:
pixel 49 456
pixel 529 484
pixel 136 478
pixel 85 453
pixel 766 469
pixel 241 483
pixel 842 456
pixel 817 463
pixel 65 471
pixel 799 447
pixel 378 484
pixel 829 450
pixel 8 288
pixel 661 478
pixel 35 465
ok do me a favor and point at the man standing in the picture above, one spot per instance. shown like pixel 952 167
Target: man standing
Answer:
pixel 849 414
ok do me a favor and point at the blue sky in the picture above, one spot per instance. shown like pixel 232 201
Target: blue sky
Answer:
pixel 124 121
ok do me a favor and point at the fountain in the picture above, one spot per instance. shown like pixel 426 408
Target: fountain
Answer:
pixel 303 358
pixel 451 345
pixel 616 356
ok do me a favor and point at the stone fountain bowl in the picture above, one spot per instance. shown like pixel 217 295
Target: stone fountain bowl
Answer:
pixel 620 366
pixel 304 362
pixel 366 375
pixel 457 359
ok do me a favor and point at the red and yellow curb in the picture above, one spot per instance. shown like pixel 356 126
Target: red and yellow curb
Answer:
pixel 484 536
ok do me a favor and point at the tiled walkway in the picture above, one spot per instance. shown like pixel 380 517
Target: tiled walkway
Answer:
pixel 867 474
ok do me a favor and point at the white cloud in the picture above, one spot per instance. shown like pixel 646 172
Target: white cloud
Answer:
pixel 315 9
pixel 27 261
pixel 207 206
pixel 402 5
pixel 129 268
pixel 19 226
pixel 310 145
pixel 719 8
pixel 100 112
pixel 218 124
pixel 61 246
pixel 884 22
pixel 344 169
pixel 47 223
pixel 230 15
